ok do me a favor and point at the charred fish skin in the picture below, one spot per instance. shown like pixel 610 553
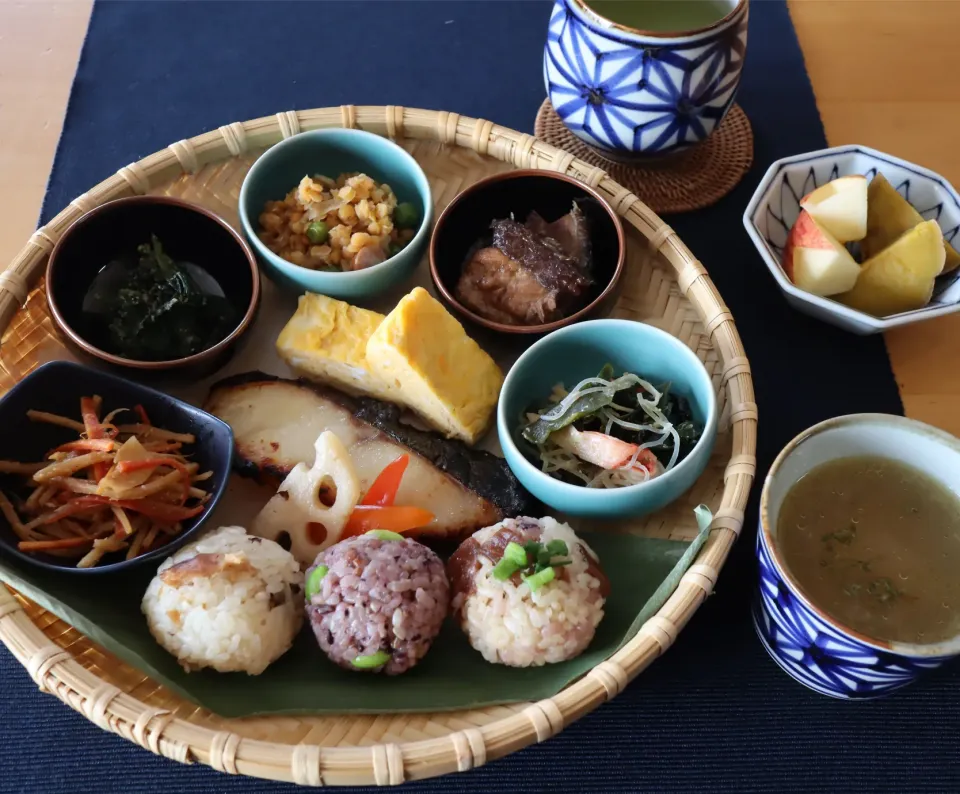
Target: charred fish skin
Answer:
pixel 482 472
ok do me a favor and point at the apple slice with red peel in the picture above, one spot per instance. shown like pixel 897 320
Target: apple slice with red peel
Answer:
pixel 840 207
pixel 816 261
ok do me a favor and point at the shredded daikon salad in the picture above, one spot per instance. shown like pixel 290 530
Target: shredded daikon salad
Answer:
pixel 609 432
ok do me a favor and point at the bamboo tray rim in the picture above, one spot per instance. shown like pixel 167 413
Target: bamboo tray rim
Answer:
pixel 57 672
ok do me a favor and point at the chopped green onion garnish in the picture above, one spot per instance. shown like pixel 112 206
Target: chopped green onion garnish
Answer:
pixel 538 580
pixel 504 569
pixel 384 534
pixel 516 554
pixel 378 659
pixel 557 548
pixel 314 579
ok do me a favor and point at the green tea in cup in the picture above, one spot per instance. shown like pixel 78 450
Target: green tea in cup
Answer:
pixel 642 79
pixel 663 16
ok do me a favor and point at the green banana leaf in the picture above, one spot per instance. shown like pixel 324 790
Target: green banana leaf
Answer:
pixel 643 573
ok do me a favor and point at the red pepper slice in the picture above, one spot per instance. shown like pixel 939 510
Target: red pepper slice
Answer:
pixel 383 490
pixel 142 413
pixel 395 519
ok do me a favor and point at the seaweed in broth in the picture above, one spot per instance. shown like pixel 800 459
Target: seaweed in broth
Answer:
pixel 876 544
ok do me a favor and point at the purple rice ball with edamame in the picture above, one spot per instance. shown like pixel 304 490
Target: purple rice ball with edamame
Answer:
pixel 376 602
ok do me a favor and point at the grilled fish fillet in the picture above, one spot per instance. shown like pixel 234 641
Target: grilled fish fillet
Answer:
pixel 276 423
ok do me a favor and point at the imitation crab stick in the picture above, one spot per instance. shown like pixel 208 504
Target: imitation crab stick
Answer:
pixel 603 450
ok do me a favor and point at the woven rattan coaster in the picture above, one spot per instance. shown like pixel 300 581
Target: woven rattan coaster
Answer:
pixel 687 181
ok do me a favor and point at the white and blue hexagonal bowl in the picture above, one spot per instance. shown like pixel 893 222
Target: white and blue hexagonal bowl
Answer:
pixel 775 207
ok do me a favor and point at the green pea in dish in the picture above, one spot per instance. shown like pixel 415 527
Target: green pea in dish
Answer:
pixel 343 224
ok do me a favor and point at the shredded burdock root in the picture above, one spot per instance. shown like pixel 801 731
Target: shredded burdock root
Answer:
pixel 116 488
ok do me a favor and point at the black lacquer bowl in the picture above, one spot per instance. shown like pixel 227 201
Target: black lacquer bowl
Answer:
pixel 57 388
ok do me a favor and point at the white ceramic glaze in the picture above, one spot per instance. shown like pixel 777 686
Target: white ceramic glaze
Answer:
pixel 635 94
pixel 775 207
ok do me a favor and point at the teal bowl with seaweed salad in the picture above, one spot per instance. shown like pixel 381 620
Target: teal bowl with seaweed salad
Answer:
pixel 332 153
pixel 154 285
pixel 607 419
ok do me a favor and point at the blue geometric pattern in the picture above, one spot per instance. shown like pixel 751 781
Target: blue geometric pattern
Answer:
pixel 818 655
pixel 932 198
pixel 634 95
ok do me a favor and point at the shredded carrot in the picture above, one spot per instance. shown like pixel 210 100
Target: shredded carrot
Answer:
pixel 70 508
pixel 47 545
pixel 64 511
pixel 161 511
pixel 153 509
pixel 88 411
pixel 87 445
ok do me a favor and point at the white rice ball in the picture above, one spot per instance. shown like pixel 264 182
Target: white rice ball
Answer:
pixel 229 601
pixel 506 621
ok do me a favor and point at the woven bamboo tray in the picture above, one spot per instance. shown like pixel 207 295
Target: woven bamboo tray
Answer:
pixel 664 285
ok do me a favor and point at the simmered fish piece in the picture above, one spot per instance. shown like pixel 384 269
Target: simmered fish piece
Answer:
pixel 535 272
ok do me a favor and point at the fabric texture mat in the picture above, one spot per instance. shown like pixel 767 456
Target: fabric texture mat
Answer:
pixel 717 714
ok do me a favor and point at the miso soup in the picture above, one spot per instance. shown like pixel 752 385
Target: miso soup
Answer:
pixel 876 544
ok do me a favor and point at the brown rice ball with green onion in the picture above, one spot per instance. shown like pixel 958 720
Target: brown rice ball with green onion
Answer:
pixel 376 602
pixel 527 592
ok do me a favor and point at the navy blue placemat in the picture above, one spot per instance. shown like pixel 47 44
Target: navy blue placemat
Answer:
pixel 716 713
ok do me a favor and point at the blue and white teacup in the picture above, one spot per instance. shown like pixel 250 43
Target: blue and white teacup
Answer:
pixel 637 94
pixel 809 644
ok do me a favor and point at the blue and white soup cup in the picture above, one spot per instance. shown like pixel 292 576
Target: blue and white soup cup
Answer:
pixel 810 645
pixel 637 94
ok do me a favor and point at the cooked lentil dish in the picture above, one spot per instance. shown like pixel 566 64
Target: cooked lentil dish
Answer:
pixel 347 223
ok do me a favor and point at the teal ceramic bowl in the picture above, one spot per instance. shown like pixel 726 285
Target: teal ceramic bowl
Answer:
pixel 579 351
pixel 333 152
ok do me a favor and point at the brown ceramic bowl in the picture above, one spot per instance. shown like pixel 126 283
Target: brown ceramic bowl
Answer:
pixel 467 218
pixel 187 232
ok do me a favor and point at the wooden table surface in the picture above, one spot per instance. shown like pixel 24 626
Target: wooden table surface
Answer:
pixel 878 69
